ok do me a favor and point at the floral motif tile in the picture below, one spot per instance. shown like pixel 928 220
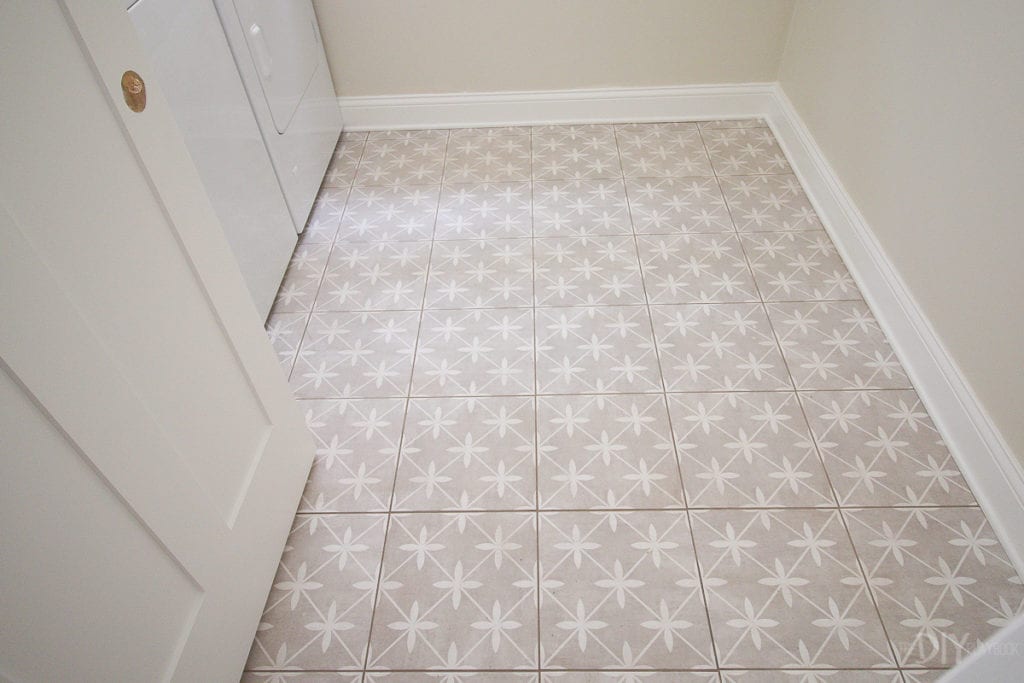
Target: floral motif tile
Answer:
pixel 744 151
pixel 302 279
pixel 374 277
pixel 458 591
pixel 881 448
pixel 596 350
pixel 784 590
pixel 285 332
pixel 621 590
pixel 484 211
pixel 341 171
pixel 451 676
pixel 402 161
pixel 732 123
pixel 677 205
pixel 588 271
pixel 351 355
pixel 747 450
pixel 813 676
pixel 659 150
pixel 641 676
pixel 488 132
pixel 318 612
pixel 493 273
pixel 768 203
pixel 836 345
pixel 477 352
pixel 606 451
pixel 683 269
pixel 468 454
pixel 409 136
pixel 941 578
pixel 396 213
pixel 325 215
pixel 575 153
pixel 580 208
pixel 718 347
pixel 487 159
pixel 296 676
pixel 575 131
pixel 798 266
pixel 356 452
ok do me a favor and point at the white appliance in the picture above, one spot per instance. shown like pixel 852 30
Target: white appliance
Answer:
pixel 249 85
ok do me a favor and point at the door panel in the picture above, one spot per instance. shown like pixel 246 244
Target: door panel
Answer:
pixel 138 384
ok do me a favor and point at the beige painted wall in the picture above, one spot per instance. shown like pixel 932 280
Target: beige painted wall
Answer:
pixel 918 107
pixel 396 47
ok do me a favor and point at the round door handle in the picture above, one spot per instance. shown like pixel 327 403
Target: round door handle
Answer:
pixel 134 90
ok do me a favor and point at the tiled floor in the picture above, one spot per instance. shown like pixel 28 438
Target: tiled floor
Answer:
pixel 603 403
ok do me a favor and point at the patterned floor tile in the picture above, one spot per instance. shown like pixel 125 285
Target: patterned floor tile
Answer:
pixel 747 450
pixel 342 169
pixel 356 452
pixel 881 448
pixel 451 676
pixel 573 271
pixel 294 676
pixel 410 136
pixel 402 161
pixel 629 677
pixel 836 345
pixel 620 590
pixel 325 215
pixel 493 273
pixel 785 590
pixel 732 123
pixel 458 591
pixel 488 132
pixel 798 266
pixel 285 332
pixel 468 454
pixel 677 205
pixel 923 675
pixel 302 279
pixel 768 203
pixel 350 355
pixel 575 131
pixel 477 352
pixel 576 154
pixel 659 150
pixel 318 613
pixel 488 159
pixel 744 151
pixel 606 451
pixel 603 350
pixel 580 208
pixel 375 277
pixel 718 347
pixel 684 269
pixel 397 213
pixel 942 581
pixel 484 211
pixel 812 676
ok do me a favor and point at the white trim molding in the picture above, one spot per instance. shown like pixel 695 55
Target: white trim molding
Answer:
pixel 604 105
pixel 989 465
pixel 993 472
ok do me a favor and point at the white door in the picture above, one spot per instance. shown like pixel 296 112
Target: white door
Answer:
pixel 151 456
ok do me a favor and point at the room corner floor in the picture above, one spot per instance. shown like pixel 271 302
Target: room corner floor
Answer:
pixel 602 403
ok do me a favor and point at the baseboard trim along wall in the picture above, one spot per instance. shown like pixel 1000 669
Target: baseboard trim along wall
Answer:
pixel 995 475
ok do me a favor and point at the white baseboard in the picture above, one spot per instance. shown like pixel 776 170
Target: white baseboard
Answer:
pixel 990 467
pixel 995 475
pixel 605 105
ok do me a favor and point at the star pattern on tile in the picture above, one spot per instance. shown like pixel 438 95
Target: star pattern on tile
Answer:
pixel 606 451
pixel 602 403
pixel 468 453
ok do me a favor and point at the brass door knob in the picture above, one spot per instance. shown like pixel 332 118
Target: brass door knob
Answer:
pixel 134 89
